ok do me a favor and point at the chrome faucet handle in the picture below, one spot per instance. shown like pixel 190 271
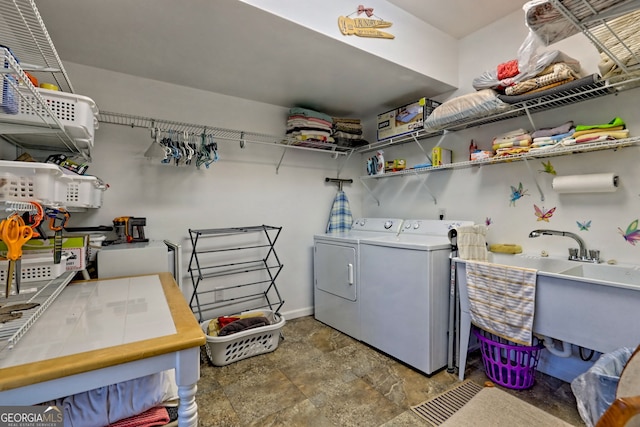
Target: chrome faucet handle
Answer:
pixel 573 253
pixel 594 255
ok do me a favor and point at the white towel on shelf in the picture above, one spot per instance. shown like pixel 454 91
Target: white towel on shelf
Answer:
pixel 471 241
pixel 502 299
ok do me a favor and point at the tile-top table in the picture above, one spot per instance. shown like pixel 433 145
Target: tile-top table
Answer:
pixel 103 332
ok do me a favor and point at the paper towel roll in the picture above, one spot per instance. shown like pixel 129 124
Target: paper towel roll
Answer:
pixel 590 183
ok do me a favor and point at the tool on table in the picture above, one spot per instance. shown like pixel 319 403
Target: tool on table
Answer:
pixel 58 218
pixel 130 229
pixel 14 234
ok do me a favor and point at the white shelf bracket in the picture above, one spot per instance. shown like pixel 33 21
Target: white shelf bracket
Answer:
pixel 369 190
pixel 415 139
pixel 345 161
pixel 281 158
pixel 424 183
pixel 535 178
pixel 526 110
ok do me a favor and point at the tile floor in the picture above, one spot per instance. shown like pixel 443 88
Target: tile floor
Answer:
pixel 321 377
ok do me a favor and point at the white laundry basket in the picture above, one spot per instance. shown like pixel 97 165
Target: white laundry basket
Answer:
pixel 241 345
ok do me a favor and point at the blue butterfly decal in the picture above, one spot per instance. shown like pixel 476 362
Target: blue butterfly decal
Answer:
pixel 517 193
pixel 584 226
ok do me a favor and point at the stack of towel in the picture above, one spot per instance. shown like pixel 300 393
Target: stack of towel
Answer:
pixel 615 129
pixel 309 128
pixel 513 142
pixel 549 137
pixel 348 132
pixel 568 134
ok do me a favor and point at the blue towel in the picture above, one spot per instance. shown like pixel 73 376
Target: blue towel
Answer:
pixel 340 219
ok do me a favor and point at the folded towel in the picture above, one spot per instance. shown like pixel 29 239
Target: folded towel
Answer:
pixel 242 325
pixel 578 133
pixel 613 123
pixel 157 416
pixel 563 128
pixel 340 218
pixel 472 243
pixel 502 299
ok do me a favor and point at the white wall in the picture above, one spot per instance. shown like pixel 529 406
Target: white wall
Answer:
pixel 485 192
pixel 241 189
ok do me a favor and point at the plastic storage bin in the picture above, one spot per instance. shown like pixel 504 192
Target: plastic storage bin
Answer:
pixel 8 92
pixel 508 364
pixel 28 181
pixel 241 345
pixel 81 191
pixel 78 114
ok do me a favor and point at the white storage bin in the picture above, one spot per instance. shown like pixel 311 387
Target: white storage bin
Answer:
pixel 36 268
pixel 28 181
pixel 78 114
pixel 241 345
pixel 81 191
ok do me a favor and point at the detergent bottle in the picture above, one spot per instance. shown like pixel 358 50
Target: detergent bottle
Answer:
pixel 380 163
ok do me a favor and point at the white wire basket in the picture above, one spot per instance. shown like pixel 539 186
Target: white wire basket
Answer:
pixel 225 350
pixel 35 269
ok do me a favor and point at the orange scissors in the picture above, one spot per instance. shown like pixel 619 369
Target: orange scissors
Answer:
pixel 14 234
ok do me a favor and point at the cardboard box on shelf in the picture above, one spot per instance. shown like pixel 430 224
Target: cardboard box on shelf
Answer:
pixel 440 156
pixel 406 119
pixel 75 246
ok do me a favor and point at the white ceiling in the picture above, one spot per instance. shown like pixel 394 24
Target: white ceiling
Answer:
pixel 209 45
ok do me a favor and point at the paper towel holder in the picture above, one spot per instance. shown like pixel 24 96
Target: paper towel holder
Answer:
pixel 587 183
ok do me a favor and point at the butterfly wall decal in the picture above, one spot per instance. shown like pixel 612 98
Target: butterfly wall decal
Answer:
pixel 542 214
pixel 488 221
pixel 548 168
pixel 632 235
pixel 584 226
pixel 517 193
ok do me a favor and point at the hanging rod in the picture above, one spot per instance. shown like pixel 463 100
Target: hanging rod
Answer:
pixel 339 181
pixel 215 132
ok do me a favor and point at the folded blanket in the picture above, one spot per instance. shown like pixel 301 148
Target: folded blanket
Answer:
pixel 554 74
pixel 243 324
pixel 609 134
pixel 557 130
pixel 310 113
pixel 157 416
pixel 595 130
pixel 617 121
pixel 515 143
pixel 310 119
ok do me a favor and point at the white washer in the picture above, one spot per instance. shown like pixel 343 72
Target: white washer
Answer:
pixel 404 298
pixel 336 272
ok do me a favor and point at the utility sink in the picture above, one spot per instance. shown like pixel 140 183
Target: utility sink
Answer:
pixel 605 274
pixel 551 265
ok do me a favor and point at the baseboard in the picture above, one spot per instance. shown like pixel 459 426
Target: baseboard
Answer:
pixel 294 314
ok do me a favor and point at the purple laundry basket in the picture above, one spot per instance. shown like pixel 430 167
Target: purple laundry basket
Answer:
pixel 508 364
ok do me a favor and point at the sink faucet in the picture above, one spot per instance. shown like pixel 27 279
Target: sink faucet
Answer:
pixel 574 255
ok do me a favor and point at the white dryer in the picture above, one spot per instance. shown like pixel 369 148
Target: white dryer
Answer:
pixel 404 298
pixel 336 272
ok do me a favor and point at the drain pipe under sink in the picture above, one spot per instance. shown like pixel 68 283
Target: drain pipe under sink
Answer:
pixel 549 344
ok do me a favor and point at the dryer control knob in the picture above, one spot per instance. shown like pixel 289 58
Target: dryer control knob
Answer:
pixel 416 225
pixel 388 225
